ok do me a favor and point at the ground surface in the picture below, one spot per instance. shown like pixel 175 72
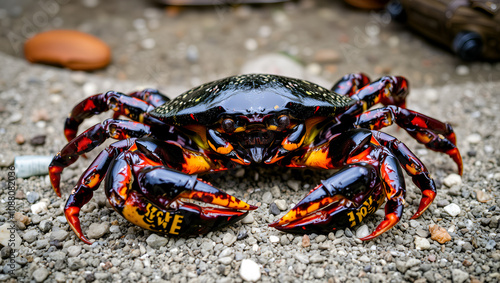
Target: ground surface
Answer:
pixel 176 49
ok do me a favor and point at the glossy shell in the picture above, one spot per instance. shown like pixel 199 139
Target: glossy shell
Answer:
pixel 251 94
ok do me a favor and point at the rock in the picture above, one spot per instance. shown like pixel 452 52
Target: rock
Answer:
pixel 229 239
pixel 293 184
pixel 248 219
pixel 40 274
pixel 439 234
pixel 5 252
pixel 275 191
pixel 459 276
pixel 473 138
pixel 483 196
pixel 155 241
pixel 306 241
pixel 68 48
pixel 20 139
pixel 327 56
pixel 6 232
pixel 319 273
pixel 422 243
pixel 58 235
pixel 38 140
pixel 273 209
pixel 267 197
pixel 97 230
pixel 225 260
pixel 302 258
pixel 39 207
pixel 74 251
pixel 30 236
pixel 452 180
pixel 32 197
pixel 18 216
pixel 274 239
pixel 452 209
pixel 281 204
pixel 45 226
pixel 249 270
pixel 362 231
pixel 462 70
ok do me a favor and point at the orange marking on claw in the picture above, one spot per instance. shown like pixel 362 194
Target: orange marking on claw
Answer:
pixel 194 163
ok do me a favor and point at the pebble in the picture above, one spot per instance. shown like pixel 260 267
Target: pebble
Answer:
pixel 229 239
pixel 15 117
pixel 192 54
pixel 267 197
pixel 462 70
pixel 422 243
pixel 473 138
pixel 452 209
pixel 274 239
pixel 18 216
pixel 281 204
pixel 58 235
pixel 32 197
pixel 439 234
pixel 293 184
pixel 482 196
pixel 20 139
pixel 40 274
pixel 348 232
pixel 248 219
pixel 275 191
pixel 148 43
pixel 249 270
pixel 306 241
pixel 459 276
pixel 362 231
pixel 327 56
pixel 431 95
pixel 302 258
pixel 452 180
pixel 30 236
pixel 273 209
pixel 45 225
pixel 39 207
pixel 38 140
pixel 155 241
pixel 97 230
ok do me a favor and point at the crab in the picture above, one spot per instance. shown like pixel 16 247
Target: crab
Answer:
pixel 253 119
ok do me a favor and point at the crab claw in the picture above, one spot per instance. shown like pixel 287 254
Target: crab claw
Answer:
pixel 339 202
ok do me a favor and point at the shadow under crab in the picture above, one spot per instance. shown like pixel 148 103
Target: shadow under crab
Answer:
pixel 150 173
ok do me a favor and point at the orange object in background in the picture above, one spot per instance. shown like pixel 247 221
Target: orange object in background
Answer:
pixel 368 4
pixel 68 48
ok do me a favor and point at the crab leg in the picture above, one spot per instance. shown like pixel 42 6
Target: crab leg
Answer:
pixel 90 139
pixel 434 134
pixel 150 96
pixel 122 104
pixel 350 84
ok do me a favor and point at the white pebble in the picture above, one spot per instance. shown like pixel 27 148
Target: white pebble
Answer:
pixel 362 232
pixel 274 239
pixel 16 117
pixel 39 207
pixel 89 89
pixel 422 243
pixel 249 270
pixel 431 95
pixel 148 43
pixel 251 44
pixel 248 219
pixel 452 180
pixel 281 204
pixel 462 70
pixel 474 138
pixel 314 69
pixel 452 209
pixel 6 232
pixel 229 239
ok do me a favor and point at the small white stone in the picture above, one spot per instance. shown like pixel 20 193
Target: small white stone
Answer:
pixel 452 180
pixel 89 89
pixel 6 232
pixel 274 239
pixel 281 204
pixel 364 258
pixel 251 44
pixel 248 219
pixel 148 43
pixel 228 239
pixel 39 207
pixel 474 138
pixel 452 209
pixel 314 69
pixel 249 270
pixel 431 95
pixel 462 70
pixel 422 243
pixel 362 232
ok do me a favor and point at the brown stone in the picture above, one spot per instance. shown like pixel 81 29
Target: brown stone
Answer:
pixel 482 196
pixel 306 241
pixel 439 234
pixel 68 48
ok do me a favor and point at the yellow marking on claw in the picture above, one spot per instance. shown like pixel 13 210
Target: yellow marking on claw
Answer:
pixel 195 163
pixel 199 136
pixel 222 149
pixel 318 158
pixel 94 179
pixel 224 200
pixel 311 129
pixel 131 214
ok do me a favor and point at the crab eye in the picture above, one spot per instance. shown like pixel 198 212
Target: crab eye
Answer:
pixel 228 126
pixel 283 122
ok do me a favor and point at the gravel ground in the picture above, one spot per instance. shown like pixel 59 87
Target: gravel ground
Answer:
pixel 35 100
